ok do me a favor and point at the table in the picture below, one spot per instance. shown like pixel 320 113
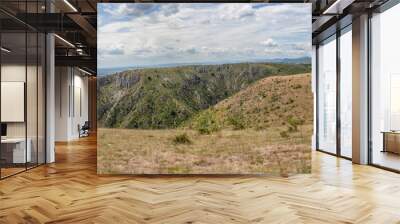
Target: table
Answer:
pixel 391 141
pixel 13 150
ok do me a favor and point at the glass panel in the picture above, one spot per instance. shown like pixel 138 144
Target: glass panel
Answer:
pixel 385 81
pixel 41 99
pixel 32 89
pixel 31 98
pixel 13 87
pixel 346 93
pixel 23 90
pixel 327 96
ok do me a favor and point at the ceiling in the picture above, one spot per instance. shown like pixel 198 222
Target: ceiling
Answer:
pixel 75 22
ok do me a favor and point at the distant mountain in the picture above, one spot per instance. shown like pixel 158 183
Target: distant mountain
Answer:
pixel 156 98
pixel 110 71
pixel 302 60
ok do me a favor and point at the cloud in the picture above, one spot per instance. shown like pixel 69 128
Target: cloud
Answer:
pixel 170 9
pixel 236 11
pixel 191 50
pixel 123 10
pixel 151 33
pixel 301 46
pixel 126 9
pixel 116 52
pixel 269 43
pixel 111 50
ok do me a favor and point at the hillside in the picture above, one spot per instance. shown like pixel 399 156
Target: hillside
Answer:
pixel 270 102
pixel 158 98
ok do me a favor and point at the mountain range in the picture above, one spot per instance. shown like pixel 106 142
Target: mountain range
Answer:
pixel 169 97
pixel 113 70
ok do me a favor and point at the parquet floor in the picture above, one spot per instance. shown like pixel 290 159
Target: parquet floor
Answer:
pixel 69 191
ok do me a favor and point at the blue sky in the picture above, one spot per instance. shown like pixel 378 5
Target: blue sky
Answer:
pixel 146 34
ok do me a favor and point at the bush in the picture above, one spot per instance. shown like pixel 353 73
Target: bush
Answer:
pixel 294 123
pixel 298 86
pixel 206 122
pixel 182 139
pixel 237 121
pixel 284 134
pixel 274 98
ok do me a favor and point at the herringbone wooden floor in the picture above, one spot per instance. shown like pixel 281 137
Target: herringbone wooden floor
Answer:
pixel 69 191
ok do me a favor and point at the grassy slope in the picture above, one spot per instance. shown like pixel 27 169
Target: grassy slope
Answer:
pixel 270 102
pixel 259 148
pixel 224 152
pixel 165 97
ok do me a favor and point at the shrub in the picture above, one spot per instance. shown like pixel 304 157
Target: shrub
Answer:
pixel 258 127
pixel 237 121
pixel 284 134
pixel 274 98
pixel 298 86
pixel 294 123
pixel 206 122
pixel 182 139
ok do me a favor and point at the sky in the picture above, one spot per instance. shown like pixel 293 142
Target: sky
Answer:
pixel 151 34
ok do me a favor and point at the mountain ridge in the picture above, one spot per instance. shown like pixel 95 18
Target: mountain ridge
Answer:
pixel 160 98
pixel 274 101
pixel 113 70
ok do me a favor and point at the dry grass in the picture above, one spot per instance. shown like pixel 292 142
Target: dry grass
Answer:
pixel 270 101
pixel 131 151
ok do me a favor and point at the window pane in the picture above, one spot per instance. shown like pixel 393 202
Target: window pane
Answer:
pixel 14 153
pixel 346 93
pixel 385 94
pixel 327 96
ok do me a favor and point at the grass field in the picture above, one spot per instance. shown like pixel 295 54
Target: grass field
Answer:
pixel 183 151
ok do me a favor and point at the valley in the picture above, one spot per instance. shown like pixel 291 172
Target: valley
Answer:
pixel 163 98
pixel 175 121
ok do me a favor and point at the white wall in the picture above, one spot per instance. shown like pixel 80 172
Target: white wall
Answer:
pixel 33 125
pixel 62 81
pixel 12 73
pixel 71 87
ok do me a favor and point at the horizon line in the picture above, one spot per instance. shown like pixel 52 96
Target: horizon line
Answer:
pixel 206 63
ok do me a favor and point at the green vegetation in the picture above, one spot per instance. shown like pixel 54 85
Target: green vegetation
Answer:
pixel 237 121
pixel 284 134
pixel 182 139
pixel 265 104
pixel 294 123
pixel 178 123
pixel 206 122
pixel 164 98
pixel 227 152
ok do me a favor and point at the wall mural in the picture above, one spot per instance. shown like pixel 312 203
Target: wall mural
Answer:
pixel 204 88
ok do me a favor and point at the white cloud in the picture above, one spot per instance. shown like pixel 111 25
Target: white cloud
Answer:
pixel 236 11
pixel 183 33
pixel 138 10
pixel 269 43
pixel 301 46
